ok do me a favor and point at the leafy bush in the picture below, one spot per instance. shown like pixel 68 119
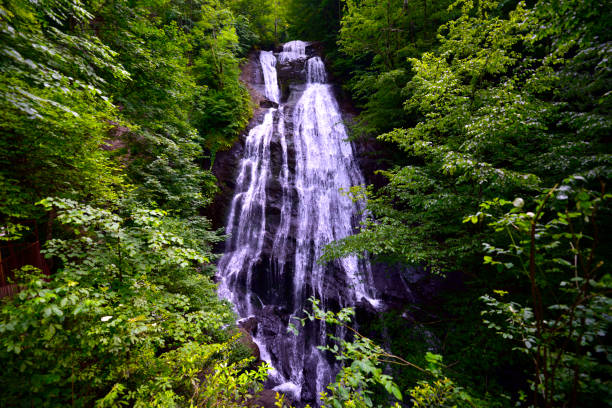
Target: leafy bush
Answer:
pixel 131 317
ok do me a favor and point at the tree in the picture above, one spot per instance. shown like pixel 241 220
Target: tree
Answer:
pixel 130 317
pixel 266 20
pixel 314 20
pixel 54 113
pixel 498 117
pixel 556 249
pixel 378 38
pixel 222 107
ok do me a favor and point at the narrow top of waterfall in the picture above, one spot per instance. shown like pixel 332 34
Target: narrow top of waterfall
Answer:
pixel 293 50
pixel 268 66
pixel 315 71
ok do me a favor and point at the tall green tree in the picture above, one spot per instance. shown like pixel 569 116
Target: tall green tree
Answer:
pixel 161 146
pixel 507 105
pixel 55 112
pixel 375 41
pixel 101 109
pixel 264 21
pixel 314 20
pixel 222 107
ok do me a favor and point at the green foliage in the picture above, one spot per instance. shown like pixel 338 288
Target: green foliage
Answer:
pixel 183 100
pixel 439 393
pixel 131 317
pixel 363 363
pixel 375 40
pixel 511 100
pixel 365 367
pixel 261 23
pixel 563 328
pixel 53 115
pixel 483 131
pixel 386 30
pixel 222 102
pixel 170 69
pixel 314 20
pixel 96 96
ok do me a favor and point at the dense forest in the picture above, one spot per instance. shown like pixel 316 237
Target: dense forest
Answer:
pixel 491 122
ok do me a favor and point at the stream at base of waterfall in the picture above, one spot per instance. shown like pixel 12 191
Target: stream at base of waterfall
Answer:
pixel 288 204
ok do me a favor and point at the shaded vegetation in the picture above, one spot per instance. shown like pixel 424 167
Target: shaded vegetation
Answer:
pixel 502 184
pixel 113 108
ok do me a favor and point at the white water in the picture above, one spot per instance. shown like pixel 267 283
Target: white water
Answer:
pixel 315 71
pixel 313 213
pixel 267 61
pixel 247 214
pixel 293 50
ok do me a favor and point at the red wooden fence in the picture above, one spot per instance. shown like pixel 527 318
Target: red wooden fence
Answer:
pixel 20 255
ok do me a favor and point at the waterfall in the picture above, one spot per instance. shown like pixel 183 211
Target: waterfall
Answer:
pixel 315 70
pixel 299 153
pixel 293 50
pixel 247 215
pixel 267 61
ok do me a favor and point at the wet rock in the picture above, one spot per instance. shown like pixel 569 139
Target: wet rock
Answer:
pixel 252 77
pixel 249 324
pixel 266 103
pixel 224 169
pixel 247 340
pixel 265 399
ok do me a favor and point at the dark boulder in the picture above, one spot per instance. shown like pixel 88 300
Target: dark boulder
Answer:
pixel 266 103
pixel 265 399
pixel 247 340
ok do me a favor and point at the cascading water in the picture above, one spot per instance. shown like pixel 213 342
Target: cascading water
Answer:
pixel 270 269
pixel 268 65
pixel 315 71
pixel 292 51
